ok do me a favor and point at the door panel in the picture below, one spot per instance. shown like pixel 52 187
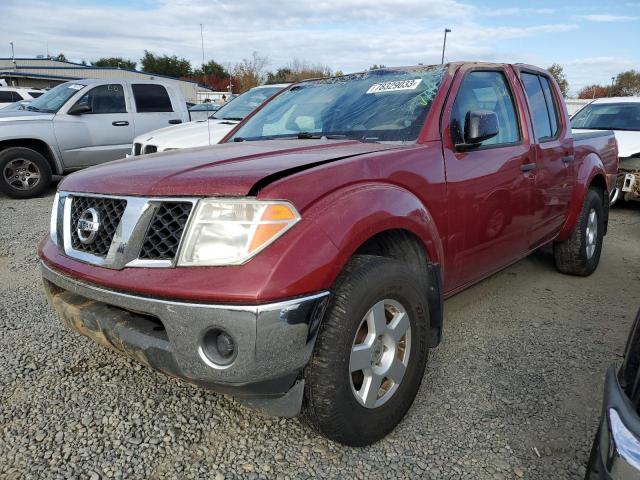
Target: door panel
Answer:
pixel 554 159
pixel 154 109
pixel 101 135
pixel 488 192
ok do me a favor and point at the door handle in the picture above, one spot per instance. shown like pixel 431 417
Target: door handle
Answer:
pixel 567 159
pixel 527 167
pixel 174 122
pixel 122 123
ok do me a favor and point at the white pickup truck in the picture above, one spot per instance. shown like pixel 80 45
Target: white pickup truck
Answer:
pixel 79 124
pixel 209 131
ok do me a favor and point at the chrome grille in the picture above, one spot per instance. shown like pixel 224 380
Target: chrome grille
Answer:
pixel 165 231
pixel 110 212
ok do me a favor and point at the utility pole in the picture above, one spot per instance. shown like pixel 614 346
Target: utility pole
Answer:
pixel 444 43
pixel 13 54
pixel 202 41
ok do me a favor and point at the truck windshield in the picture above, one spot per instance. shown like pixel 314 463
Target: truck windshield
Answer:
pixel 51 101
pixel 608 116
pixel 246 103
pixel 376 106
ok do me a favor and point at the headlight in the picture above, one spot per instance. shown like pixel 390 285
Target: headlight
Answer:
pixel 230 231
pixel 53 224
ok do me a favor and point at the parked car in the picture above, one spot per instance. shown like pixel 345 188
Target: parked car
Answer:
pixel 209 131
pixel 622 115
pixel 21 105
pixel 308 256
pixel 9 95
pixel 78 124
pixel 202 111
pixel 616 449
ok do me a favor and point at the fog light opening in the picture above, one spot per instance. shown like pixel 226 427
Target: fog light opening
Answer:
pixel 218 348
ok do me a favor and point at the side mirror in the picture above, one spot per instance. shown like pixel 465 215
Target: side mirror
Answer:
pixel 79 109
pixel 479 125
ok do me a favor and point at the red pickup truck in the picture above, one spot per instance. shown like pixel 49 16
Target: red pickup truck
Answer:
pixel 302 264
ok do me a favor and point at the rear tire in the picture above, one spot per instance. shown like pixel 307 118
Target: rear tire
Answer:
pixel 580 253
pixel 24 173
pixel 338 402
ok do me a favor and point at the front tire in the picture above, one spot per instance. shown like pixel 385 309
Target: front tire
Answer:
pixel 580 253
pixel 370 354
pixel 24 173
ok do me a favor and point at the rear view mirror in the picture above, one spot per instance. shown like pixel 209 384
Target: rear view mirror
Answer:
pixel 79 109
pixel 479 125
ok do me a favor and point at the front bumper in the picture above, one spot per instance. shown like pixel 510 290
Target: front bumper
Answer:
pixel 616 450
pixel 273 341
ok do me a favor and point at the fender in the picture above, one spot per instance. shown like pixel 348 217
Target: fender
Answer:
pixel 373 208
pixel 590 168
pixel 15 140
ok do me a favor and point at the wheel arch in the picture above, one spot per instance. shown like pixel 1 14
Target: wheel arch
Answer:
pixel 388 221
pixel 405 246
pixel 591 173
pixel 37 145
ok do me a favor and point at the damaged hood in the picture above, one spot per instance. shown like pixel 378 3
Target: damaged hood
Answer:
pixel 230 169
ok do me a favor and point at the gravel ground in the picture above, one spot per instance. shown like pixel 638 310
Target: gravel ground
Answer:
pixel 513 391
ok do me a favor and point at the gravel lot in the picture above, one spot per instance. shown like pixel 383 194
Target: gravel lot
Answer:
pixel 513 391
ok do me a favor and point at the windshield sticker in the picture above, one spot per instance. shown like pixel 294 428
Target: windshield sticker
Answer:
pixel 76 87
pixel 395 86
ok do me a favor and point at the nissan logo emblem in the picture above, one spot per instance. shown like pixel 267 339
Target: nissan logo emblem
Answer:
pixel 88 226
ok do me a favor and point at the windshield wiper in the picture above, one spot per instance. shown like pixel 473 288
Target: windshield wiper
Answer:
pixel 232 118
pixel 32 108
pixel 329 136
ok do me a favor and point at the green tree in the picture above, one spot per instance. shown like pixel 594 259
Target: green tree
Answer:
pixel 558 73
pixel 376 66
pixel 298 70
pixel 211 68
pixel 170 66
pixel 60 58
pixel 115 62
pixel 281 75
pixel 626 84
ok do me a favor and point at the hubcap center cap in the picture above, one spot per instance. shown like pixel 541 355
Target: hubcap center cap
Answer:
pixel 377 351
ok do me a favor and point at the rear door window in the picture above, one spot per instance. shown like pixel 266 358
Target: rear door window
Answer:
pixel 151 98
pixel 543 126
pixel 486 90
pixel 6 97
pixel 552 106
pixel 35 94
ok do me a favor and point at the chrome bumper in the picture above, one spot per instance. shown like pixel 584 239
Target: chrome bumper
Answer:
pixel 273 341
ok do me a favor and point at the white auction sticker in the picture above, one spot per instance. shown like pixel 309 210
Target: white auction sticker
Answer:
pixel 75 86
pixel 394 86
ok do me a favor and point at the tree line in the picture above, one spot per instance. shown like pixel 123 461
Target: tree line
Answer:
pixel 242 76
pixel 252 71
pixel 625 84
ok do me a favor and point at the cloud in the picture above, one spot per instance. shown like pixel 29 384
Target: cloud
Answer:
pixel 595 70
pixel 517 11
pixel 608 18
pixel 347 35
